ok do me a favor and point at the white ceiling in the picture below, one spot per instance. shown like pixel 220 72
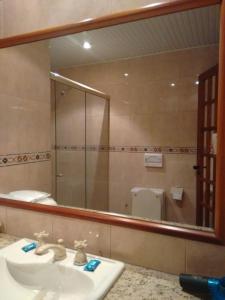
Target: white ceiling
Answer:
pixel 192 28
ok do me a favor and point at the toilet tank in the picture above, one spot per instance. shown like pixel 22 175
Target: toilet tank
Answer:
pixel 148 203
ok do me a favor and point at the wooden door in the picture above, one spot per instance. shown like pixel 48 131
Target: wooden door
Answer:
pixel 206 156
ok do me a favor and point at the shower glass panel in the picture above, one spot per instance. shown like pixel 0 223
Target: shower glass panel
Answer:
pixel 81 136
pixel 70 145
pixel 97 154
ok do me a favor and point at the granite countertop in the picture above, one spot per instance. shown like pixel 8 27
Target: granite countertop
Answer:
pixel 136 283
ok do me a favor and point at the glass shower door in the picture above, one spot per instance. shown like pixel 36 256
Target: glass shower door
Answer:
pixel 70 145
pixel 97 154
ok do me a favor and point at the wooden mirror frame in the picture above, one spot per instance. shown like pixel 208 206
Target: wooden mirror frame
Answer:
pixel 162 8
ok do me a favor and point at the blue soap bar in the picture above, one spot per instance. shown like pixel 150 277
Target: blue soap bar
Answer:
pixel 29 247
pixel 92 265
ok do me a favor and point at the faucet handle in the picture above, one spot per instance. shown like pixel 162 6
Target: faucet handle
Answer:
pixel 80 258
pixel 40 236
pixel 80 244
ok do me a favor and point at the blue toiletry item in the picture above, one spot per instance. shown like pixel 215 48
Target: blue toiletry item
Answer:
pixel 92 265
pixel 29 247
pixel 203 286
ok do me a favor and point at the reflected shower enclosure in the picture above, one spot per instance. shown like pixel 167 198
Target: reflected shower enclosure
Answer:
pixel 80 140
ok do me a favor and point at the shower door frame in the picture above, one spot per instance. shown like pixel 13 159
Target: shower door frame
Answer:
pixel 87 90
pixel 160 8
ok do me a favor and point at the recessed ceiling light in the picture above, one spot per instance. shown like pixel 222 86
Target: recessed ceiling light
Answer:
pixel 172 84
pixel 126 74
pixel 197 82
pixel 86 45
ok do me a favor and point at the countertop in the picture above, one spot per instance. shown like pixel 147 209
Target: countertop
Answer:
pixel 136 283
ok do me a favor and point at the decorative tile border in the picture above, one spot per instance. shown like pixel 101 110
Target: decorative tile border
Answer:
pixel 70 148
pixel 24 158
pixel 131 149
pixel 154 149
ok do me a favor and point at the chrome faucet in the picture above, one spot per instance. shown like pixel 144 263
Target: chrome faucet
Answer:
pixel 58 249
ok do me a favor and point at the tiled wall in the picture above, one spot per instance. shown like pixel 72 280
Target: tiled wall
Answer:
pixel 146 113
pixel 48 13
pixel 24 118
pixel 1 18
pixel 155 251
pixel 189 256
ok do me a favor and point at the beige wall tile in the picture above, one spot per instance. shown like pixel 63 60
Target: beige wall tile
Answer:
pixel 155 251
pixel 25 125
pixel 1 19
pixel 48 13
pixel 205 259
pixel 26 65
pixel 120 126
pixel 97 235
pixel 11 178
pixel 3 218
pixel 121 5
pixel 182 211
pixel 25 114
pixel 24 223
pixel 23 99
pixel 36 176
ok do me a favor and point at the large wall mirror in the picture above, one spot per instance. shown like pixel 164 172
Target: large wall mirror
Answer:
pixel 121 120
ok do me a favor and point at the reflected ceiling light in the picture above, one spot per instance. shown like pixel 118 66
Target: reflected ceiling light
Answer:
pixel 86 45
pixel 152 5
pixel 197 82
pixel 126 74
pixel 87 20
pixel 172 84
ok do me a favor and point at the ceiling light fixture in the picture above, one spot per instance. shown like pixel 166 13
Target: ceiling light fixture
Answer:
pixel 197 82
pixel 86 45
pixel 172 84
pixel 126 74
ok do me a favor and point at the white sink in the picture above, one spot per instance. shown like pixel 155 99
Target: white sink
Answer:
pixel 26 276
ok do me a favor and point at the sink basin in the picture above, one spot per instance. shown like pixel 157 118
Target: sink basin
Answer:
pixel 26 276
pixel 53 280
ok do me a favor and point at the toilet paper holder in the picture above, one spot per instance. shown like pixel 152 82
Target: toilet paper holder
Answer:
pixel 177 193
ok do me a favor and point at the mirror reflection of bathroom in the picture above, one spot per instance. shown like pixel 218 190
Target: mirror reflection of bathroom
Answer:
pixel 133 117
